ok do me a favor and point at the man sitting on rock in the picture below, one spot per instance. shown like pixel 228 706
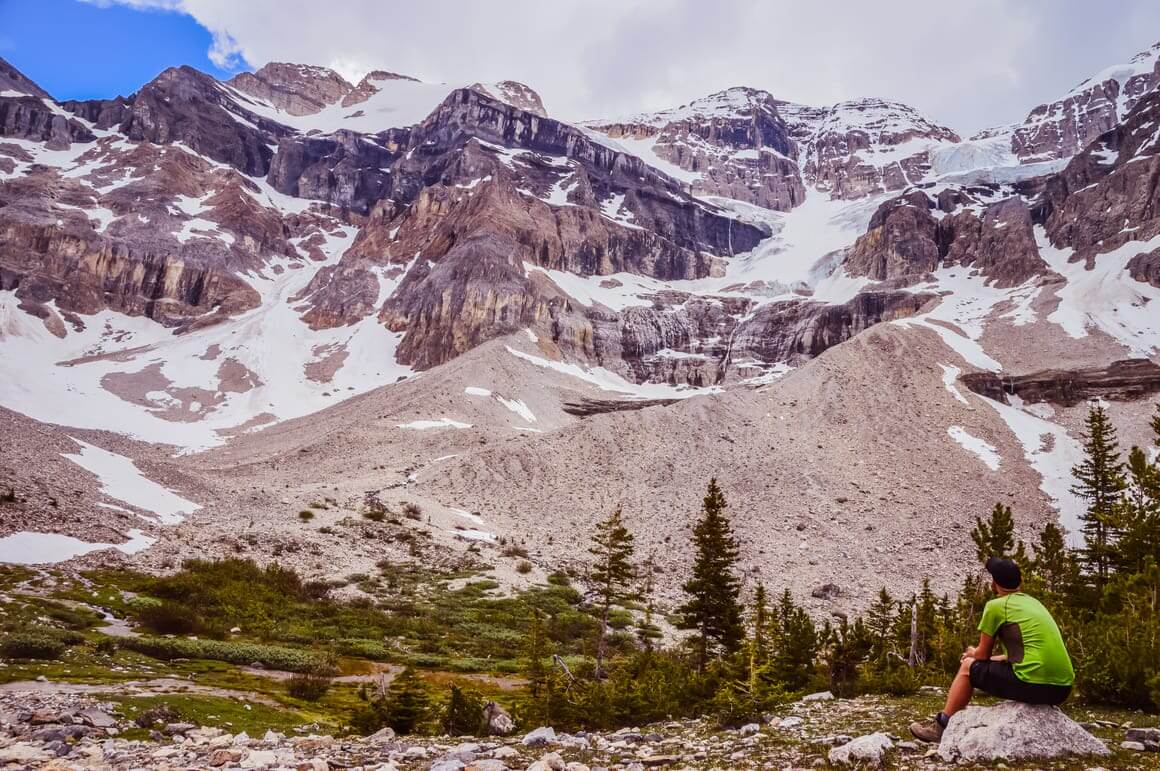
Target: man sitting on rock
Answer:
pixel 1036 668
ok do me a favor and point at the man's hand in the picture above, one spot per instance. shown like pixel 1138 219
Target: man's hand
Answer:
pixel 969 653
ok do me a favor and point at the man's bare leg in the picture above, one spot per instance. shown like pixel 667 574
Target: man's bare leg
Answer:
pixel 959 694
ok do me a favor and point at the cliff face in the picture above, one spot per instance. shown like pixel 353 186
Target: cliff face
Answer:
pixel 911 236
pixel 1064 127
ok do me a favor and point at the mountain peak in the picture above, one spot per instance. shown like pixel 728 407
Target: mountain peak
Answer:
pixel 12 79
pixel 299 89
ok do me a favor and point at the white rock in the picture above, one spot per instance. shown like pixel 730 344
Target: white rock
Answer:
pixel 869 750
pixel 749 729
pixel 259 759
pixel 792 721
pixel 549 762
pixel 819 696
pixel 1013 731
pixel 540 737
pixel 1137 746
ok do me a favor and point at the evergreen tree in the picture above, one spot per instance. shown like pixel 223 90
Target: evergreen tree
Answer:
pixel 1100 482
pixel 1053 563
pixel 996 536
pixel 647 632
pixel 463 715
pixel 1140 539
pixel 407 702
pixel 796 645
pixel 760 625
pixel 713 609
pixel 846 648
pixel 612 574
pixel 537 651
pixel 880 620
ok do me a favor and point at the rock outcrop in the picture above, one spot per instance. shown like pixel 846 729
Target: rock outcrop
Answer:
pixel 1066 126
pixel 1011 731
pixel 868 146
pixel 299 89
pixel 185 105
pixel 1125 380
pixel 733 144
pixel 913 235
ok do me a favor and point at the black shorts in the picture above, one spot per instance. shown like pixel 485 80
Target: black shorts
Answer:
pixel 998 679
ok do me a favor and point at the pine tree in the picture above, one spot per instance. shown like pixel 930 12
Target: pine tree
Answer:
pixel 1052 562
pixel 463 715
pixel 407 702
pixel 1100 482
pixel 713 608
pixel 880 620
pixel 996 536
pixel 1140 509
pixel 760 625
pixel 612 574
pixel 537 650
pixel 647 632
pixel 796 645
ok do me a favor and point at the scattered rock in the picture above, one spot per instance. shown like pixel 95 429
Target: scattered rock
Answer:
pixel 540 737
pixel 1013 731
pixel 819 696
pixel 867 750
pixel 1137 746
pixel 1143 735
pixel 749 729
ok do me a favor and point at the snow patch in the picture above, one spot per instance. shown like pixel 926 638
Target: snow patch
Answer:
pixel 981 448
pixel 423 425
pixel 121 479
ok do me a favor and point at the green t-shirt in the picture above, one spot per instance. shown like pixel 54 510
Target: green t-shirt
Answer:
pixel 1030 637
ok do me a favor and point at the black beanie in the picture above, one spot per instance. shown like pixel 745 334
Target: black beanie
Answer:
pixel 1005 572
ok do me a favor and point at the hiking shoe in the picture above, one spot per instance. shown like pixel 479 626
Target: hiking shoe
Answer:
pixel 927 731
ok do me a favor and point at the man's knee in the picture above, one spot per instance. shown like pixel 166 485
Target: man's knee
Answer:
pixel 965 667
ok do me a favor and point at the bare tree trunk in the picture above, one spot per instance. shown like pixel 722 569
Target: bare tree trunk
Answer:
pixel 912 661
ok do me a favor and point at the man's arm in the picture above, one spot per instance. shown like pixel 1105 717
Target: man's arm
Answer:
pixel 983 650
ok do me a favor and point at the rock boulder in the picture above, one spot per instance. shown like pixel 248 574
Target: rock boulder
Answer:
pixel 869 750
pixel 1013 731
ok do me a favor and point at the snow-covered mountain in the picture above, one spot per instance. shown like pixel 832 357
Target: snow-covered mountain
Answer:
pixel 228 265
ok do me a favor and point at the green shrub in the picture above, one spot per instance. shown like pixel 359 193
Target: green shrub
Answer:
pixel 313 684
pixel 306 515
pixel 167 648
pixel 374 515
pixel 32 645
pixel 412 510
pixel 514 550
pixel 366 649
pixel 167 617
pixel 523 567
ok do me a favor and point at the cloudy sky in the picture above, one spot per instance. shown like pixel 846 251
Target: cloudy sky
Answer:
pixel 968 64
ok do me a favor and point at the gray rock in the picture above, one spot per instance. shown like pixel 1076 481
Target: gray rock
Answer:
pixel 819 696
pixel 1013 731
pixel 448 764
pixel 749 729
pixel 1143 735
pixel 540 737
pixel 1137 746
pixel 868 750
pixel 489 764
pixel 97 718
pixel 382 735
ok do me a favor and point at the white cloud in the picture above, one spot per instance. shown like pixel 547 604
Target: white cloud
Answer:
pixel 969 65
